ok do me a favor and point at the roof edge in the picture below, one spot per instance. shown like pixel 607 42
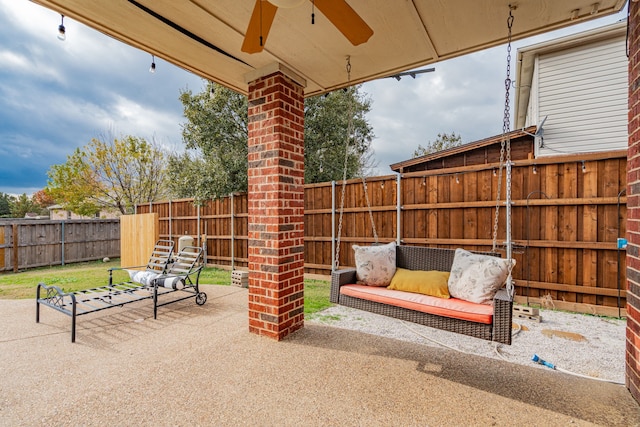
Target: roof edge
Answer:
pixel 464 147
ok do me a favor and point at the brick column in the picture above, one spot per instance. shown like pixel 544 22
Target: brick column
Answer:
pixel 633 208
pixel 276 205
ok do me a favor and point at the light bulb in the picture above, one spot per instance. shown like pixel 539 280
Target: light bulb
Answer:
pixel 152 69
pixel 62 32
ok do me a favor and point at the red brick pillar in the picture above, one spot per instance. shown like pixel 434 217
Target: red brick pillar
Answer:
pixel 633 208
pixel 276 205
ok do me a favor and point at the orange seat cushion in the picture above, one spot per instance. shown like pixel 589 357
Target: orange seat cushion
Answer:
pixel 452 307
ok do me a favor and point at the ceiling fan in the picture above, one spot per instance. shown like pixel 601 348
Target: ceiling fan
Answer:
pixel 341 15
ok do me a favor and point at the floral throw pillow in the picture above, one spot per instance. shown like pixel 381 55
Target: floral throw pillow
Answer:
pixel 375 265
pixel 476 277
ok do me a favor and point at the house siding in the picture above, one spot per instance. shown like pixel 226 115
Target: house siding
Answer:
pixel 532 106
pixel 583 91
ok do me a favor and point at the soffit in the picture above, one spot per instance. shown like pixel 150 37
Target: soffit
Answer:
pixel 205 36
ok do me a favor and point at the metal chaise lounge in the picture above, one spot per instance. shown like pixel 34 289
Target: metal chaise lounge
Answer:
pixel 171 273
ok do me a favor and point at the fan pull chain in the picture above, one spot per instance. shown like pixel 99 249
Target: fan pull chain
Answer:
pixel 261 23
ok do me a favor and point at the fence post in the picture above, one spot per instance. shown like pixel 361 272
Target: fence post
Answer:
pixel 333 225
pixel 3 230
pixel 233 241
pixel 198 226
pixel 15 248
pixel 398 209
pixel 62 242
pixel 170 222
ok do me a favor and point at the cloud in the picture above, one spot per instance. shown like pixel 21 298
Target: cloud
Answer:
pixel 465 95
pixel 55 96
pixel 412 112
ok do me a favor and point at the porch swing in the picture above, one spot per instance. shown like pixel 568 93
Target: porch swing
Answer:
pixel 436 287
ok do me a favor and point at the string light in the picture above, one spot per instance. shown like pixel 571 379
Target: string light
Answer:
pixel 457 179
pixel 584 167
pixel 152 69
pixel 62 32
pixel 535 170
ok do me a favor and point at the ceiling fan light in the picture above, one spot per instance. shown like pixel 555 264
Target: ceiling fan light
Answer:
pixel 286 4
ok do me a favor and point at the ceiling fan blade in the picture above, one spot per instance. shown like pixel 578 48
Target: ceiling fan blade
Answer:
pixel 346 20
pixel 259 26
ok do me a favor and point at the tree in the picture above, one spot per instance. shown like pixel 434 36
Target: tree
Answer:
pixel 335 123
pixel 443 142
pixel 113 175
pixel 43 199
pixel 5 205
pixel 216 135
pixel 22 205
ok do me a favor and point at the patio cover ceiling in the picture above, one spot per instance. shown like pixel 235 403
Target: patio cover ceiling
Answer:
pixel 206 36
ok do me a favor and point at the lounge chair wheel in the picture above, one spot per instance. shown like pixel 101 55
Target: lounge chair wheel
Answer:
pixel 201 298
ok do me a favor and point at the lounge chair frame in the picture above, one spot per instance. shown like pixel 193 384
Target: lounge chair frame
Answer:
pixel 78 303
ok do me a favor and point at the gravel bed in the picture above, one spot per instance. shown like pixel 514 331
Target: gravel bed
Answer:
pixel 581 344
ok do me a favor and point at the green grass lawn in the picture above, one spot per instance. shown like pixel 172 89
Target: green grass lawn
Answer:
pixel 75 277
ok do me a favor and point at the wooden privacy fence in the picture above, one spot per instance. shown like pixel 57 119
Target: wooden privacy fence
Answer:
pixel 221 223
pixel 36 243
pixel 567 215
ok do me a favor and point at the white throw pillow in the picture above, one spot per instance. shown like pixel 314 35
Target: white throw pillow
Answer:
pixel 477 278
pixel 375 265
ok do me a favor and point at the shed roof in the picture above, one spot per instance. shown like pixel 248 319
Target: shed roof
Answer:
pixel 497 139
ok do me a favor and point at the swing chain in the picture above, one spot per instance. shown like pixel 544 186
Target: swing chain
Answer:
pixel 505 144
pixel 350 131
pixel 506 141
pixel 507 81
pixel 344 169
pixel 366 196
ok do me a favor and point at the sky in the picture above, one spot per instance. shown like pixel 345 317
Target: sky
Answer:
pixel 56 96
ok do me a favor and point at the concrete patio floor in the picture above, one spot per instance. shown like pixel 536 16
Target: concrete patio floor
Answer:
pixel 200 366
